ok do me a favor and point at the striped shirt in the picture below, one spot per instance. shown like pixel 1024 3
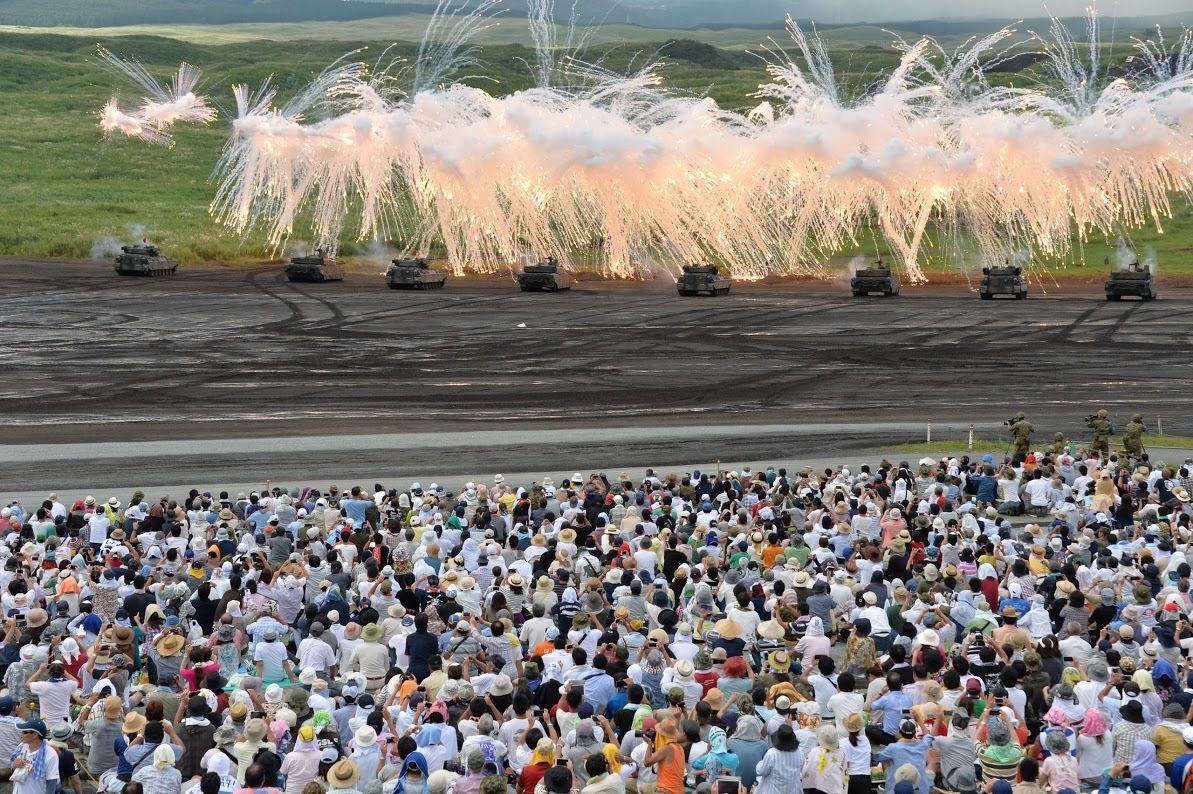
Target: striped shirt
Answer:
pixel 780 772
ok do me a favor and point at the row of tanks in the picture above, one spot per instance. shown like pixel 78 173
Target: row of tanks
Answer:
pixel 547 276
pixel 1010 280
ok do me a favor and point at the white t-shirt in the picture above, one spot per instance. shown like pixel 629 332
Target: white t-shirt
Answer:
pixel 315 653
pixel 98 523
pixel 31 786
pixel 647 560
pixel 272 654
pixel 1039 492
pixel 54 699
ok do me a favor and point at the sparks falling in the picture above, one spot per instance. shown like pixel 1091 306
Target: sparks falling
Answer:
pixel 619 165
pixel 160 108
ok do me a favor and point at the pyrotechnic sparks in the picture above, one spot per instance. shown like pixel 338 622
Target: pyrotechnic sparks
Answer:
pixel 620 165
pixel 160 109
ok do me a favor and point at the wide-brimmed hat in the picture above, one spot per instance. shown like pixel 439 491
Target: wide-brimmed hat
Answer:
pixel 227 515
pixel 669 728
pixel 502 685
pixel 255 729
pixel 343 773
pixel 544 584
pixel 728 628
pixel 169 644
pixel 684 670
pixel 396 611
pixel 567 535
pixel 538 540
pixel 134 722
pixel 37 618
pixel 365 736
pixel 371 633
pixel 802 579
pixel 770 630
pixel 515 580
pixel 779 660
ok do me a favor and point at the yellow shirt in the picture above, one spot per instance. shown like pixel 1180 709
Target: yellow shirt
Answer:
pixel 1169 744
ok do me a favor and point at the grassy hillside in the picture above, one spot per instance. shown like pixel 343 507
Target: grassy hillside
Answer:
pixel 67 189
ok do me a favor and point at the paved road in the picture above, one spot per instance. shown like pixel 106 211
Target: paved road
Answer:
pixel 240 357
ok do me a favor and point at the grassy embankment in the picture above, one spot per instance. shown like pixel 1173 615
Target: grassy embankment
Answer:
pixel 67 188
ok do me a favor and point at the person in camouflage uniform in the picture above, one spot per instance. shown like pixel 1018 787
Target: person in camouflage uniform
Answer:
pixel 1022 430
pixel 1133 436
pixel 1100 424
pixel 1059 444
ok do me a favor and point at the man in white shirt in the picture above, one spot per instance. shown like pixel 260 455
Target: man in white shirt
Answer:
pixel 647 560
pixel 1039 494
pixel 97 525
pixel 313 652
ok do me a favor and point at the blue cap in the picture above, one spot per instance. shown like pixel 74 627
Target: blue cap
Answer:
pixel 1139 783
pixel 33 725
pixel 1002 787
pixel 7 704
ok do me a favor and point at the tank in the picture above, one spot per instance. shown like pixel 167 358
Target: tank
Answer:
pixel 1132 280
pixel 874 279
pixel 144 260
pixel 317 268
pixel 413 274
pixel 1003 280
pixel 702 279
pixel 545 276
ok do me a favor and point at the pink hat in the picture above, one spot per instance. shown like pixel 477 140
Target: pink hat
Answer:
pixel 1056 716
pixel 1093 724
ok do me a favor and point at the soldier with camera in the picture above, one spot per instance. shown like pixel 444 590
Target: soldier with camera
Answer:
pixel 1100 424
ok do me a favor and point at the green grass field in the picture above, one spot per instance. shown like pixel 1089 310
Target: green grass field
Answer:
pixel 68 188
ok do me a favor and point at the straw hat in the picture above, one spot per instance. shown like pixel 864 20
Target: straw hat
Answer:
pixel 516 580
pixel 567 535
pixel 780 660
pixel 169 644
pixel 770 630
pixel 669 728
pixel 544 584
pixel 801 579
pixel 728 628
pixel 133 723
pixel 343 773
pixel 538 540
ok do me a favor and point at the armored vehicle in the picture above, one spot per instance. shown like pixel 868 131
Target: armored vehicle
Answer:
pixel 317 268
pixel 545 276
pixel 1132 280
pixel 874 279
pixel 144 260
pixel 413 274
pixel 1004 280
pixel 697 279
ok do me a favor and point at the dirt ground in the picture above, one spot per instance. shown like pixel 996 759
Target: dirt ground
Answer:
pixel 223 353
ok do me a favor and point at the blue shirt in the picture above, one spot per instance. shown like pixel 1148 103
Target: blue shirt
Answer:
pixel 355 508
pixel 892 705
pixel 259 520
pixel 1178 771
pixel 900 753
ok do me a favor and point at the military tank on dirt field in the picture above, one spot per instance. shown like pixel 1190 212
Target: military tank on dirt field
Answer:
pixel 878 278
pixel 413 274
pixel 1134 280
pixel 702 279
pixel 144 260
pixel 546 276
pixel 1006 279
pixel 314 269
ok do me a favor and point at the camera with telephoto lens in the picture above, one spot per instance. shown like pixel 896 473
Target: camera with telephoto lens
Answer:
pixel 1090 418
